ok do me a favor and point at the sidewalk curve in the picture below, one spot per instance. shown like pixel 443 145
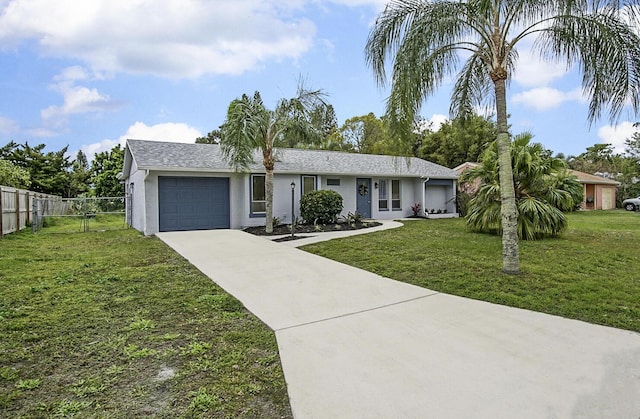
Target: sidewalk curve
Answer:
pixel 357 345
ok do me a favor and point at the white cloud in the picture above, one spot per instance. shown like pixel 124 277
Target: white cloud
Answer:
pixel 616 134
pixel 376 4
pixel 77 99
pixel 531 71
pixel 169 132
pixel 545 98
pixel 170 38
pixel 8 126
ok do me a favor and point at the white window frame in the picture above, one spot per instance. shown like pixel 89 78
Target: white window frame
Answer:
pixel 302 183
pixel 389 195
pixel 252 201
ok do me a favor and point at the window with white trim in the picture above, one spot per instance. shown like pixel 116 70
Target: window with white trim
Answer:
pixel 308 183
pixel 389 190
pixel 395 195
pixel 258 195
pixel 383 198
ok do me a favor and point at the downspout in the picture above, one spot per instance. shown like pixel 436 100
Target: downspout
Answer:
pixel 424 196
pixel 144 199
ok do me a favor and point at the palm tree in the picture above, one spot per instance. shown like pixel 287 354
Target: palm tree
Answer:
pixel 543 190
pixel 426 40
pixel 250 127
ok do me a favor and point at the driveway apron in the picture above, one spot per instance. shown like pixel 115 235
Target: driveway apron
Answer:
pixel 356 345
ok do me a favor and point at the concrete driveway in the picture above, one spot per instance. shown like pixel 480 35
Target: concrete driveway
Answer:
pixel 356 345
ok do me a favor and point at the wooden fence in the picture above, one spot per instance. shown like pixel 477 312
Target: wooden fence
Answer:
pixel 16 206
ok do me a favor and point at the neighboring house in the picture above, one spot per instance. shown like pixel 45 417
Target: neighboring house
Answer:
pixel 467 187
pixel 599 192
pixel 177 186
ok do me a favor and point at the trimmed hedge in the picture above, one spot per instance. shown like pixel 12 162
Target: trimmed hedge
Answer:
pixel 320 206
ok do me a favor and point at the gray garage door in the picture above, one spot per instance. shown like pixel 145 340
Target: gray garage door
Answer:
pixel 193 203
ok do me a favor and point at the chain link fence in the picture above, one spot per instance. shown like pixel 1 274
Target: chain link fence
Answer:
pixel 66 215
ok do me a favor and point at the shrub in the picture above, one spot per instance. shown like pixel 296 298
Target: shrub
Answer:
pixel 320 206
pixel 353 219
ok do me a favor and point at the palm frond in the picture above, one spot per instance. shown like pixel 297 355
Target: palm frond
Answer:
pixel 606 50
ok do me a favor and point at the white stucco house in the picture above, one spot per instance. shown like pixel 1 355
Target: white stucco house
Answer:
pixel 177 186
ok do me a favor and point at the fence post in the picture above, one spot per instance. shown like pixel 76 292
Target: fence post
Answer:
pixel 17 209
pixel 28 212
pixel 1 214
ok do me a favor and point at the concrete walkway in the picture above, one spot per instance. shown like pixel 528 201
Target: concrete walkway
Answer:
pixel 357 345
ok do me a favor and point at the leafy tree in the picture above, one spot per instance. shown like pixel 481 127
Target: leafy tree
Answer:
pixel 13 176
pixel 458 141
pixel 48 172
pixel 104 171
pixel 80 176
pixel 323 118
pixel 364 132
pixel 423 40
pixel 212 137
pixel 542 185
pixel 598 158
pixel 308 127
pixel 251 127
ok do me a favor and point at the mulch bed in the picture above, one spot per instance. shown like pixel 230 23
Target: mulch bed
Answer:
pixel 310 228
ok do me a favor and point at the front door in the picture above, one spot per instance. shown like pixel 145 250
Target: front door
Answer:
pixel 363 197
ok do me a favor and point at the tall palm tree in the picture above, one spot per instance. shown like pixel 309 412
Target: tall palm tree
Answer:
pixel 543 190
pixel 250 127
pixel 426 40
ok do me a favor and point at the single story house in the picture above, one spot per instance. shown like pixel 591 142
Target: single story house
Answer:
pixel 599 192
pixel 178 186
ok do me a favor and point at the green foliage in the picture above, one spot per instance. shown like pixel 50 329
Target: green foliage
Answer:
pixel 353 218
pixel 48 172
pixel 80 176
pixel 364 133
pixel 321 206
pixel 460 140
pixel 212 137
pixel 543 189
pixel 104 169
pixel 13 176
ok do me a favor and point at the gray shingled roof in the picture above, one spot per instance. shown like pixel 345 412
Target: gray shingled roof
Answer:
pixel 156 155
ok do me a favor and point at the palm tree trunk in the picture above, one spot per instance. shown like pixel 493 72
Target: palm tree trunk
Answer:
pixel 508 209
pixel 269 204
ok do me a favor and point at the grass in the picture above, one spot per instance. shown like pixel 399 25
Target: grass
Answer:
pixel 78 223
pixel 114 324
pixel 590 273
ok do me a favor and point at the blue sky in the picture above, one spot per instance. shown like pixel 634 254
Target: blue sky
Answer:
pixel 91 73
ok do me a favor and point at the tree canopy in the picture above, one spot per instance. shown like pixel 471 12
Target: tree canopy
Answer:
pixel 459 140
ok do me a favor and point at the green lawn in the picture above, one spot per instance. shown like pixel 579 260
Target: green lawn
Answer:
pixel 591 273
pixel 115 324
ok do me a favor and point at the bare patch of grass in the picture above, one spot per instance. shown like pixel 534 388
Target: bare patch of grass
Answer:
pixel 115 324
pixel 590 273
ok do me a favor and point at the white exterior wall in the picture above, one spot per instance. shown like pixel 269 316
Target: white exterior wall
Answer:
pixel 135 187
pixel 407 198
pixel 145 205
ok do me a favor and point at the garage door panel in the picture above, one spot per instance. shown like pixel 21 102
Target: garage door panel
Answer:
pixel 193 203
